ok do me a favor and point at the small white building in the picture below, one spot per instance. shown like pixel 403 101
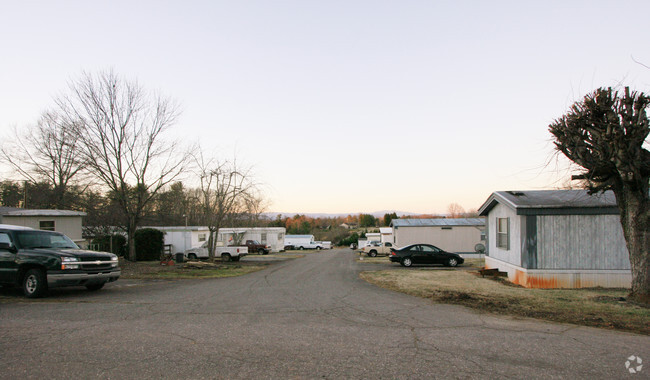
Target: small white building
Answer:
pixel 271 236
pixel 64 221
pixel 453 235
pixel 183 238
pixel 386 234
pixel 556 239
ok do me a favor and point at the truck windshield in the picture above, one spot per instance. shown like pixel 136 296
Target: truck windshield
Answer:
pixel 43 239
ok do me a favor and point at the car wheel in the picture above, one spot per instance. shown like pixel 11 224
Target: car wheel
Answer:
pixel 452 262
pixel 407 262
pixel 192 256
pixel 226 257
pixel 93 287
pixel 260 251
pixel 372 253
pixel 34 283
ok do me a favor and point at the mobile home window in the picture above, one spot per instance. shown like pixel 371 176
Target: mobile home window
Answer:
pixel 202 237
pixel 46 225
pixel 264 237
pixel 503 233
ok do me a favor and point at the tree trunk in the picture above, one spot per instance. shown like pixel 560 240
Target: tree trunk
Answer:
pixel 635 218
pixel 211 245
pixel 131 239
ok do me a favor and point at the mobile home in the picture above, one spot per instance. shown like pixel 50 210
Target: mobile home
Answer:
pixel 557 239
pixel 271 236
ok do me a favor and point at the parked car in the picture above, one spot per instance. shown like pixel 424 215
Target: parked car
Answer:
pixel 424 254
pixel 38 260
pixel 375 248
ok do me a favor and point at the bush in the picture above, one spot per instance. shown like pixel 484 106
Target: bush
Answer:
pixel 354 238
pixel 148 244
pixel 117 247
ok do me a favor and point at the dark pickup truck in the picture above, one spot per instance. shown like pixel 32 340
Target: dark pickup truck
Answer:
pixel 255 246
pixel 38 260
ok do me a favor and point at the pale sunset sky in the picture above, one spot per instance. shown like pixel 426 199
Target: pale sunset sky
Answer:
pixel 343 106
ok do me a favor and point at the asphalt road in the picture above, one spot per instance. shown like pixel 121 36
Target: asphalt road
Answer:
pixel 310 317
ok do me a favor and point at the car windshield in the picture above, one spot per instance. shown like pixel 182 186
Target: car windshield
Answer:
pixel 42 239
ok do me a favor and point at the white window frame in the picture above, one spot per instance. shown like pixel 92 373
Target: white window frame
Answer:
pixel 503 233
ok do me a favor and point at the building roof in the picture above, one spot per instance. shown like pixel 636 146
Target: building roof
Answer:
pixel 539 202
pixel 439 222
pixel 11 211
pixel 385 230
pixel 299 236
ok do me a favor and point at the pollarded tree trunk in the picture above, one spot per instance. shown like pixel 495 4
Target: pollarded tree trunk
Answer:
pixel 635 219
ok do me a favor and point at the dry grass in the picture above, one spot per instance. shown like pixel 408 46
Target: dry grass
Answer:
pixel 607 308
pixel 153 269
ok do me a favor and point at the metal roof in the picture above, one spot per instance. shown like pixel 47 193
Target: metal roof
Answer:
pixel 541 201
pixel 299 236
pixel 27 212
pixel 385 230
pixel 439 222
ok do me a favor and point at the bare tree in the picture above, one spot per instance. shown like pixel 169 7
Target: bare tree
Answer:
pixel 455 210
pixel 47 152
pixel 226 190
pixel 120 129
pixel 605 134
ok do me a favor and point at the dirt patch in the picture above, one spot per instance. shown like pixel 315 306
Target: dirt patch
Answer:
pixel 153 269
pixel 598 307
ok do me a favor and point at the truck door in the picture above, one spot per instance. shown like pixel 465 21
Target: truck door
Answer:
pixel 8 265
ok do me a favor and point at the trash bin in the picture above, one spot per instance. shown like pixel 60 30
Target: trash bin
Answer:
pixel 180 258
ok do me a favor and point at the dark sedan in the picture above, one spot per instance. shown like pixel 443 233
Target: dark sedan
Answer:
pixel 424 254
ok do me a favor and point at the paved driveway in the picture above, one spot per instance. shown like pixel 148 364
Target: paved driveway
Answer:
pixel 305 318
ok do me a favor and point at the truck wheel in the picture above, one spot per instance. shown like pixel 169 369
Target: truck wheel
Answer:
pixel 318 248
pixel 191 256
pixel 226 257
pixel 93 287
pixel 34 283
pixel 301 247
pixel 261 251
pixel 372 253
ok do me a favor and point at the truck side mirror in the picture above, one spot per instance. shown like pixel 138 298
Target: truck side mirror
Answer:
pixel 8 247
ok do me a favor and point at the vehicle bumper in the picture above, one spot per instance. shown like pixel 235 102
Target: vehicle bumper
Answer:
pixel 71 279
pixel 395 259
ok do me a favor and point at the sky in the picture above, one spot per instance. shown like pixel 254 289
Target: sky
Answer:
pixel 343 106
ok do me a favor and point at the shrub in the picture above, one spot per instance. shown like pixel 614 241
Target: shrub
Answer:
pixel 353 238
pixel 111 243
pixel 148 244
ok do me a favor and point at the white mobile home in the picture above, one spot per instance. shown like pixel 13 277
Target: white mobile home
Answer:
pixel 271 236
pixel 556 239
pixel 386 234
pixel 453 235
pixel 184 238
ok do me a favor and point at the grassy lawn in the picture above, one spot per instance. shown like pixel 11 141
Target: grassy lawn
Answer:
pixel 153 270
pixel 606 308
